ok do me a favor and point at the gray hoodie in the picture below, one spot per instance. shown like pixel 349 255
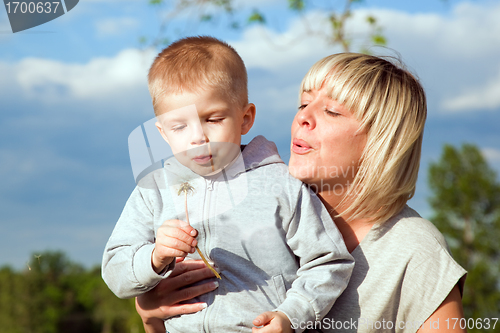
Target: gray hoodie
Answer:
pixel 273 241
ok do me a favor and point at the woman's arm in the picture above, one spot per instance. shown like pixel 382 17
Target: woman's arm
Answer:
pixel 450 308
pixel 162 302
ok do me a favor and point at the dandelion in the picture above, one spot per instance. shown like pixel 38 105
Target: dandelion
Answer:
pixel 186 188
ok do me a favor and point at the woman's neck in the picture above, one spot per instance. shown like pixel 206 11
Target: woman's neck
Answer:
pixel 353 231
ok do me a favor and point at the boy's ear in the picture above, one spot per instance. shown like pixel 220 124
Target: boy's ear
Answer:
pixel 160 128
pixel 248 118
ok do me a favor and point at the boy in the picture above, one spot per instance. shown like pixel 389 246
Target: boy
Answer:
pixel 274 243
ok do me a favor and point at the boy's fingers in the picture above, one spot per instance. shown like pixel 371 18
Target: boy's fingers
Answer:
pixel 187 234
pixel 181 225
pixel 177 260
pixel 188 229
pixel 263 318
pixel 167 234
pixel 172 247
pixel 182 267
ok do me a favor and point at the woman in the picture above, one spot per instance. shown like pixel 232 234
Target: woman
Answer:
pixel 356 140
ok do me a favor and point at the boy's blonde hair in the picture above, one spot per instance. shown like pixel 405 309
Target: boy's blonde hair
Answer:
pixel 196 63
pixel 391 105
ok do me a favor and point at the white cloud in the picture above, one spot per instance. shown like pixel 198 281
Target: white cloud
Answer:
pixel 470 30
pixel 452 53
pixel 483 97
pixel 115 26
pixel 491 154
pixel 50 80
pixel 263 48
pixel 439 46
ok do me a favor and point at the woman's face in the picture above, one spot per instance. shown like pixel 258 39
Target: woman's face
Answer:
pixel 327 143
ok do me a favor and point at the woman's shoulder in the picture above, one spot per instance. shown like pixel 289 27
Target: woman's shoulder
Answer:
pixel 407 241
pixel 405 257
pixel 410 229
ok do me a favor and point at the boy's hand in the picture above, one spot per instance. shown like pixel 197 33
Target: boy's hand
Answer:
pixel 272 322
pixel 174 238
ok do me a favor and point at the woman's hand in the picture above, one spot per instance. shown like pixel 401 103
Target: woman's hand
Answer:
pixel 162 302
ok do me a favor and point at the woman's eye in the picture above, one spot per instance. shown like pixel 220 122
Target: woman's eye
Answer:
pixel 332 113
pixel 302 106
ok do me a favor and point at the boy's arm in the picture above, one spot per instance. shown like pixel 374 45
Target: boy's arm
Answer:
pixel 126 263
pixel 325 263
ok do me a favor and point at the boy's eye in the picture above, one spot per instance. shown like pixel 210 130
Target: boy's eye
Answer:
pixel 178 128
pixel 215 120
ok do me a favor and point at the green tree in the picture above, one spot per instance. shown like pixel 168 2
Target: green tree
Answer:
pixel 54 295
pixel 466 204
pixel 338 14
pixel 12 306
pixel 107 311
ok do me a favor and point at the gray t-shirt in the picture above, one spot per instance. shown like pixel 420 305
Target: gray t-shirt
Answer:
pixel 403 272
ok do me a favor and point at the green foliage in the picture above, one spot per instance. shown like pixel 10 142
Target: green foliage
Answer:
pixel 256 16
pixel 337 34
pixel 143 40
pixel 55 295
pixel 466 204
pixel 371 20
pixel 206 17
pixel 226 4
pixel 11 288
pixel 297 5
pixel 379 40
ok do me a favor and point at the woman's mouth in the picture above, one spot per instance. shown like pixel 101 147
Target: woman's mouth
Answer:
pixel 300 147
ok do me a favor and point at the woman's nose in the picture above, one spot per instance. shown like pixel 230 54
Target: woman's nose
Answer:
pixel 305 117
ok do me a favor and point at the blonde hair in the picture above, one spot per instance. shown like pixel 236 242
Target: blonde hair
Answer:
pixel 195 63
pixel 390 104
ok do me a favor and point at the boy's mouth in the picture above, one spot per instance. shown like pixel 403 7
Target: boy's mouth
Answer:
pixel 300 146
pixel 202 159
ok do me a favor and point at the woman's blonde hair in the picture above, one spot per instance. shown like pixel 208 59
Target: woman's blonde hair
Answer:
pixel 195 63
pixel 390 104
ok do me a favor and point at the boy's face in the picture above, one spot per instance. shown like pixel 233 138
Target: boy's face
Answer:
pixel 203 128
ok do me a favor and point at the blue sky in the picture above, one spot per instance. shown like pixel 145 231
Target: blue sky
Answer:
pixel 72 90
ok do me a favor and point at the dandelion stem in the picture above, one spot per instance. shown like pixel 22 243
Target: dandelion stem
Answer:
pixel 185 187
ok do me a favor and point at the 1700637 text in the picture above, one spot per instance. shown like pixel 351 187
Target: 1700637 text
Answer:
pixel 31 7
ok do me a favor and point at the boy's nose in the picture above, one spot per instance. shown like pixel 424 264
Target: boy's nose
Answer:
pixel 199 137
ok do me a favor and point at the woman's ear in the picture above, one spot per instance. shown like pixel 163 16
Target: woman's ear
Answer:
pixel 160 129
pixel 248 118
